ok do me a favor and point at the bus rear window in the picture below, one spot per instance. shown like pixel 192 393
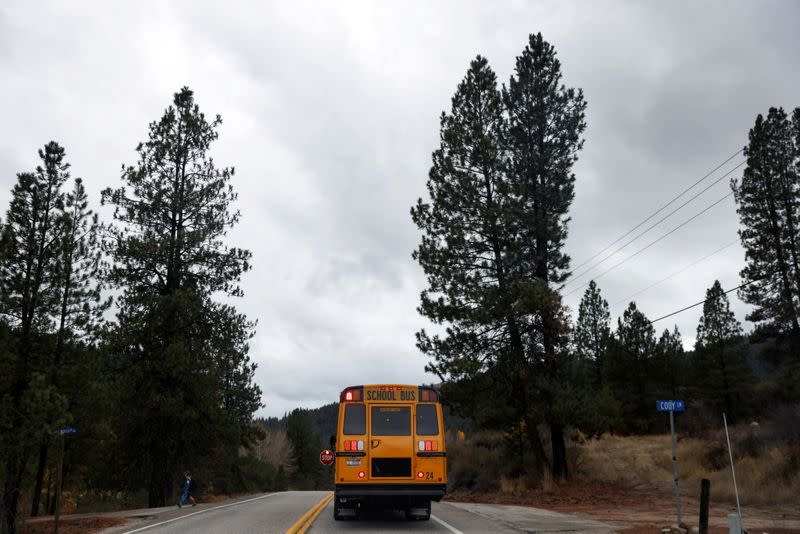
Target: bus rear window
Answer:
pixel 355 419
pixel 391 421
pixel 427 420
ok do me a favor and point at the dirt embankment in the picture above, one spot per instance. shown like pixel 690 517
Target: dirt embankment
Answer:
pixel 628 480
pixel 83 525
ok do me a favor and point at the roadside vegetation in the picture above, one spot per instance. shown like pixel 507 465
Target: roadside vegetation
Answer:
pixel 157 380
pixel 766 456
pixel 549 389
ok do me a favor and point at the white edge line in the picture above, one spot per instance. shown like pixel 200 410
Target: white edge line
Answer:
pixel 195 513
pixel 447 525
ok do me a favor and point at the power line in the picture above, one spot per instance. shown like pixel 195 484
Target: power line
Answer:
pixel 580 275
pixel 662 208
pixel 704 301
pixel 676 273
pixel 684 223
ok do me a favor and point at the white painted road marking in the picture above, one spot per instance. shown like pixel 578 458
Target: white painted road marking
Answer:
pixel 198 512
pixel 446 525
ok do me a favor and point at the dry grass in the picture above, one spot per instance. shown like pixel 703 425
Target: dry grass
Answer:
pixel 767 471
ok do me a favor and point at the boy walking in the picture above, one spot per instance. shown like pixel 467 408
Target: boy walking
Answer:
pixel 189 487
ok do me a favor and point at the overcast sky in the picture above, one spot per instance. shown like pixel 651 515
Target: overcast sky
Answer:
pixel 331 113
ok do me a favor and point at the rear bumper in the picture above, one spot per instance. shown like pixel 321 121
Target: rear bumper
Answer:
pixel 434 492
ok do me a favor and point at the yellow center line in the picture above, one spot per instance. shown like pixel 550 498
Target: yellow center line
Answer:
pixel 308 518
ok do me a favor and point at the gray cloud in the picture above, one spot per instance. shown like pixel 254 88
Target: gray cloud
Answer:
pixel 331 113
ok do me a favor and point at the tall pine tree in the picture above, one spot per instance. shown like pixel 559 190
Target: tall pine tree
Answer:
pixel 721 371
pixel 768 198
pixel 673 363
pixel 170 258
pixel 500 187
pixel 470 253
pixel 546 121
pixel 632 368
pixel 80 305
pixel 593 331
pixel 29 285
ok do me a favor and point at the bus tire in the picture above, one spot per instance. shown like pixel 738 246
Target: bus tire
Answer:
pixel 419 511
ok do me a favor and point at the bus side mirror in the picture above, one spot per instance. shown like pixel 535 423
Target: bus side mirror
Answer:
pixel 333 443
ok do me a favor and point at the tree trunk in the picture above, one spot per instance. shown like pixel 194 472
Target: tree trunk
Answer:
pixel 15 470
pixel 160 487
pixel 37 488
pixel 560 470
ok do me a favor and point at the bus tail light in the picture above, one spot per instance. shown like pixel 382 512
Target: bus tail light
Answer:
pixel 361 474
pixel 428 445
pixel 420 474
pixel 353 445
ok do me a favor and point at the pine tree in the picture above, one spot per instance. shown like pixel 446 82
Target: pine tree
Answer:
pixel 592 331
pixel 674 365
pixel 633 367
pixel 305 448
pixel 768 199
pixel 545 124
pixel 720 366
pixel 468 252
pixel 28 304
pixel 169 258
pixel 80 306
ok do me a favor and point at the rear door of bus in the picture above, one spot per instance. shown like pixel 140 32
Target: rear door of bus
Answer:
pixel 391 441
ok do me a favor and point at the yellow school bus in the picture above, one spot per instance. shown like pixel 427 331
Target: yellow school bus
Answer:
pixel 390 451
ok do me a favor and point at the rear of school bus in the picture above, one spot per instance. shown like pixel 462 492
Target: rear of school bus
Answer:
pixel 390 450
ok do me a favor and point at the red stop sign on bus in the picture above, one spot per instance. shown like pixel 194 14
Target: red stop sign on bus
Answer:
pixel 326 457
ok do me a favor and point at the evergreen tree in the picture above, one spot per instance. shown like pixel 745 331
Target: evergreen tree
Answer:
pixel 674 365
pixel 80 306
pixel 468 252
pixel 632 368
pixel 592 331
pixel 545 124
pixel 500 188
pixel 305 450
pixel 768 199
pixel 28 305
pixel 169 258
pixel 720 366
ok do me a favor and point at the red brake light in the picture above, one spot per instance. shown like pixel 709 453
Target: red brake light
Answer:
pixel 348 396
pixel 361 474
pixel 420 474
pixel 427 445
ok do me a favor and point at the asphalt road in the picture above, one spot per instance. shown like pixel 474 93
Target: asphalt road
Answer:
pixel 278 512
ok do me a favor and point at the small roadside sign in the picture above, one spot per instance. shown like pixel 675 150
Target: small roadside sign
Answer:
pixel 673 406
pixel 670 406
pixel 326 457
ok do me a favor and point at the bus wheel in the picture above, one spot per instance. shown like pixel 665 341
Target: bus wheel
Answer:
pixel 420 511
pixel 341 513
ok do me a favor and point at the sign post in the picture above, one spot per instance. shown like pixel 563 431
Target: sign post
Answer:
pixel 673 406
pixel 62 433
